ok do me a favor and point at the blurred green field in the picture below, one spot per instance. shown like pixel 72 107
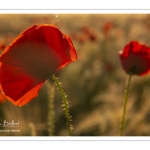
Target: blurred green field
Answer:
pixel 94 83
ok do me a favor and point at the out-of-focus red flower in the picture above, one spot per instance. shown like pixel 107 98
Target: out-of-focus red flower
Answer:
pixel 107 26
pixel 31 59
pixel 81 38
pixel 89 33
pixel 135 58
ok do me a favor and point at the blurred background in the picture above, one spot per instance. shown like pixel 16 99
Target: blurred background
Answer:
pixel 94 83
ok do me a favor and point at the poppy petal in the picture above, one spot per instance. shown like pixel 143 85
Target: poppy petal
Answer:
pixel 18 85
pixel 135 58
pixel 31 59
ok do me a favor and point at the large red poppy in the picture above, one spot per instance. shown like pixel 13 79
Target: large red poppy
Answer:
pixel 135 58
pixel 31 59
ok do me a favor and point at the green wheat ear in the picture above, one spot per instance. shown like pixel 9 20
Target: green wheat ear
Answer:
pixel 65 103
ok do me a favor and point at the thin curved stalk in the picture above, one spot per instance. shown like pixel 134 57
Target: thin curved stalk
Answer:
pixel 125 104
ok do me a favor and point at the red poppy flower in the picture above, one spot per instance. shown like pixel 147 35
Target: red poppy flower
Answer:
pixel 135 58
pixel 31 59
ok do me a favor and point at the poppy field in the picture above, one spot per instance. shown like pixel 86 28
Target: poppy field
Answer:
pixel 86 72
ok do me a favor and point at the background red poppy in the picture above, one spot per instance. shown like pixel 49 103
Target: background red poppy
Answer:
pixel 135 58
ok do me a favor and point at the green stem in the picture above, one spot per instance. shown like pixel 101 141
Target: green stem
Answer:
pixel 125 104
pixel 65 103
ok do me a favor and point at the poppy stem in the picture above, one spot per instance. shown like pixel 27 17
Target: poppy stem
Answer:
pixel 65 103
pixel 125 104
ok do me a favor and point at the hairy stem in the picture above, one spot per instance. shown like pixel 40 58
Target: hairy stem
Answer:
pixel 125 104
pixel 65 102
